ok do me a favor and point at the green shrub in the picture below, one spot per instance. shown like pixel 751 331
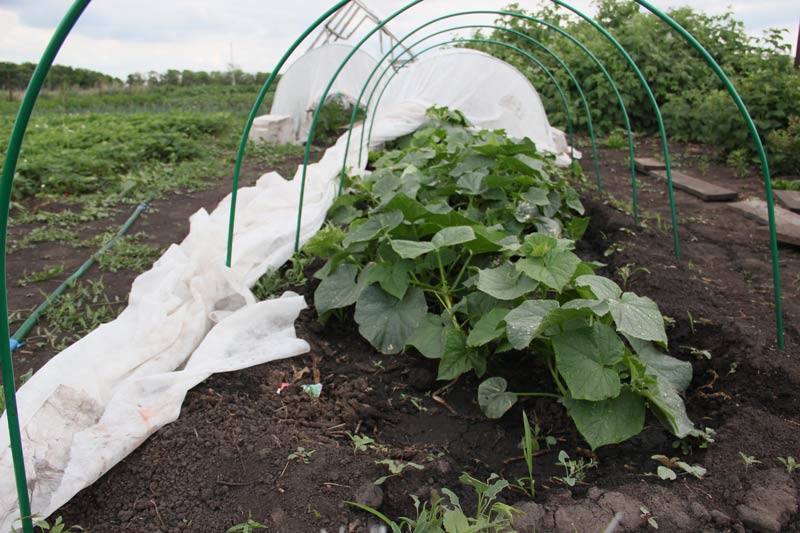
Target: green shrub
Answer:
pixel 694 103
pixel 784 148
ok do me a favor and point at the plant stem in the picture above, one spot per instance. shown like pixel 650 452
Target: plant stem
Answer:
pixel 443 277
pixel 554 373
pixel 463 269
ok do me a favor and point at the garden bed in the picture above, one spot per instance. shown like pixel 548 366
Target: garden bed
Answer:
pixel 228 455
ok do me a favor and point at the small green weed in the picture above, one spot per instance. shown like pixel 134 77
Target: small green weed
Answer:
pixel 44 234
pixel 790 463
pixel 415 401
pixel 361 443
pixel 749 460
pixel 45 274
pixel 301 455
pixel 574 469
pixel 615 141
pixel 629 272
pixel 82 307
pixel 248 526
pixel 395 468
pixel 529 445
pixel 128 253
pixel 668 466
pixel 739 161
pixel 647 515
pixel 440 515
pixel 56 527
pixel 276 281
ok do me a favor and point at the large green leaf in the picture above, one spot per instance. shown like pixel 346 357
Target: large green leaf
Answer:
pixel 667 376
pixel 638 317
pixel 586 358
pixel 452 236
pixel 488 328
pixel 608 421
pixel 412 209
pixel 598 286
pixel 457 359
pixel 536 196
pixel 387 322
pixel 472 182
pixel 428 338
pixel 411 249
pixel 598 307
pixel 373 227
pixel 573 201
pixel 493 398
pixel 504 282
pixel 668 406
pixel 393 278
pixel 524 323
pixel 562 320
pixel 663 366
pixel 340 289
pixel 555 269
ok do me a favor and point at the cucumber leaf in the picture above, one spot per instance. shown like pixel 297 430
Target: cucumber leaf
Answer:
pixel 609 421
pixel 587 358
pixel 388 322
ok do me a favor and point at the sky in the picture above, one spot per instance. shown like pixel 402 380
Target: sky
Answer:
pixel 123 36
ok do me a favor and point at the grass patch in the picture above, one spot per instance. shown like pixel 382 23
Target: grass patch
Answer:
pixel 82 308
pixel 45 274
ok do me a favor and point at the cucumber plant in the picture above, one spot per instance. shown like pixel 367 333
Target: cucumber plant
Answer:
pixel 461 245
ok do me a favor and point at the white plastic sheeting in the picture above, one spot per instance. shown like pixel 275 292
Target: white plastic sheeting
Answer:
pixel 301 86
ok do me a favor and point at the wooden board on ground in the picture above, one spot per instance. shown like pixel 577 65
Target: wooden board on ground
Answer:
pixel 646 164
pixel 787 223
pixel 706 191
pixel 789 199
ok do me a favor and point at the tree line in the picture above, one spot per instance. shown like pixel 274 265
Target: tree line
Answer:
pixel 15 77
pixel 189 78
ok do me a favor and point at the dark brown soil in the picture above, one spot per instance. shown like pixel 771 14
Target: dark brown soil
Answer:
pixel 227 455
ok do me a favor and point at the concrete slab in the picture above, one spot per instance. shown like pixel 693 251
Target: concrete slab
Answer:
pixel 646 164
pixel 789 199
pixel 786 222
pixel 706 191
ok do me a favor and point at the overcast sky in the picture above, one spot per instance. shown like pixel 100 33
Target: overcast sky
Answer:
pixel 123 36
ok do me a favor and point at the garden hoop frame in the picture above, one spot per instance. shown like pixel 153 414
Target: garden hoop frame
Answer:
pixel 64 28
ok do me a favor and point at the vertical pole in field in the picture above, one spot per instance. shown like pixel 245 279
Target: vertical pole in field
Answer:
pixel 797 48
